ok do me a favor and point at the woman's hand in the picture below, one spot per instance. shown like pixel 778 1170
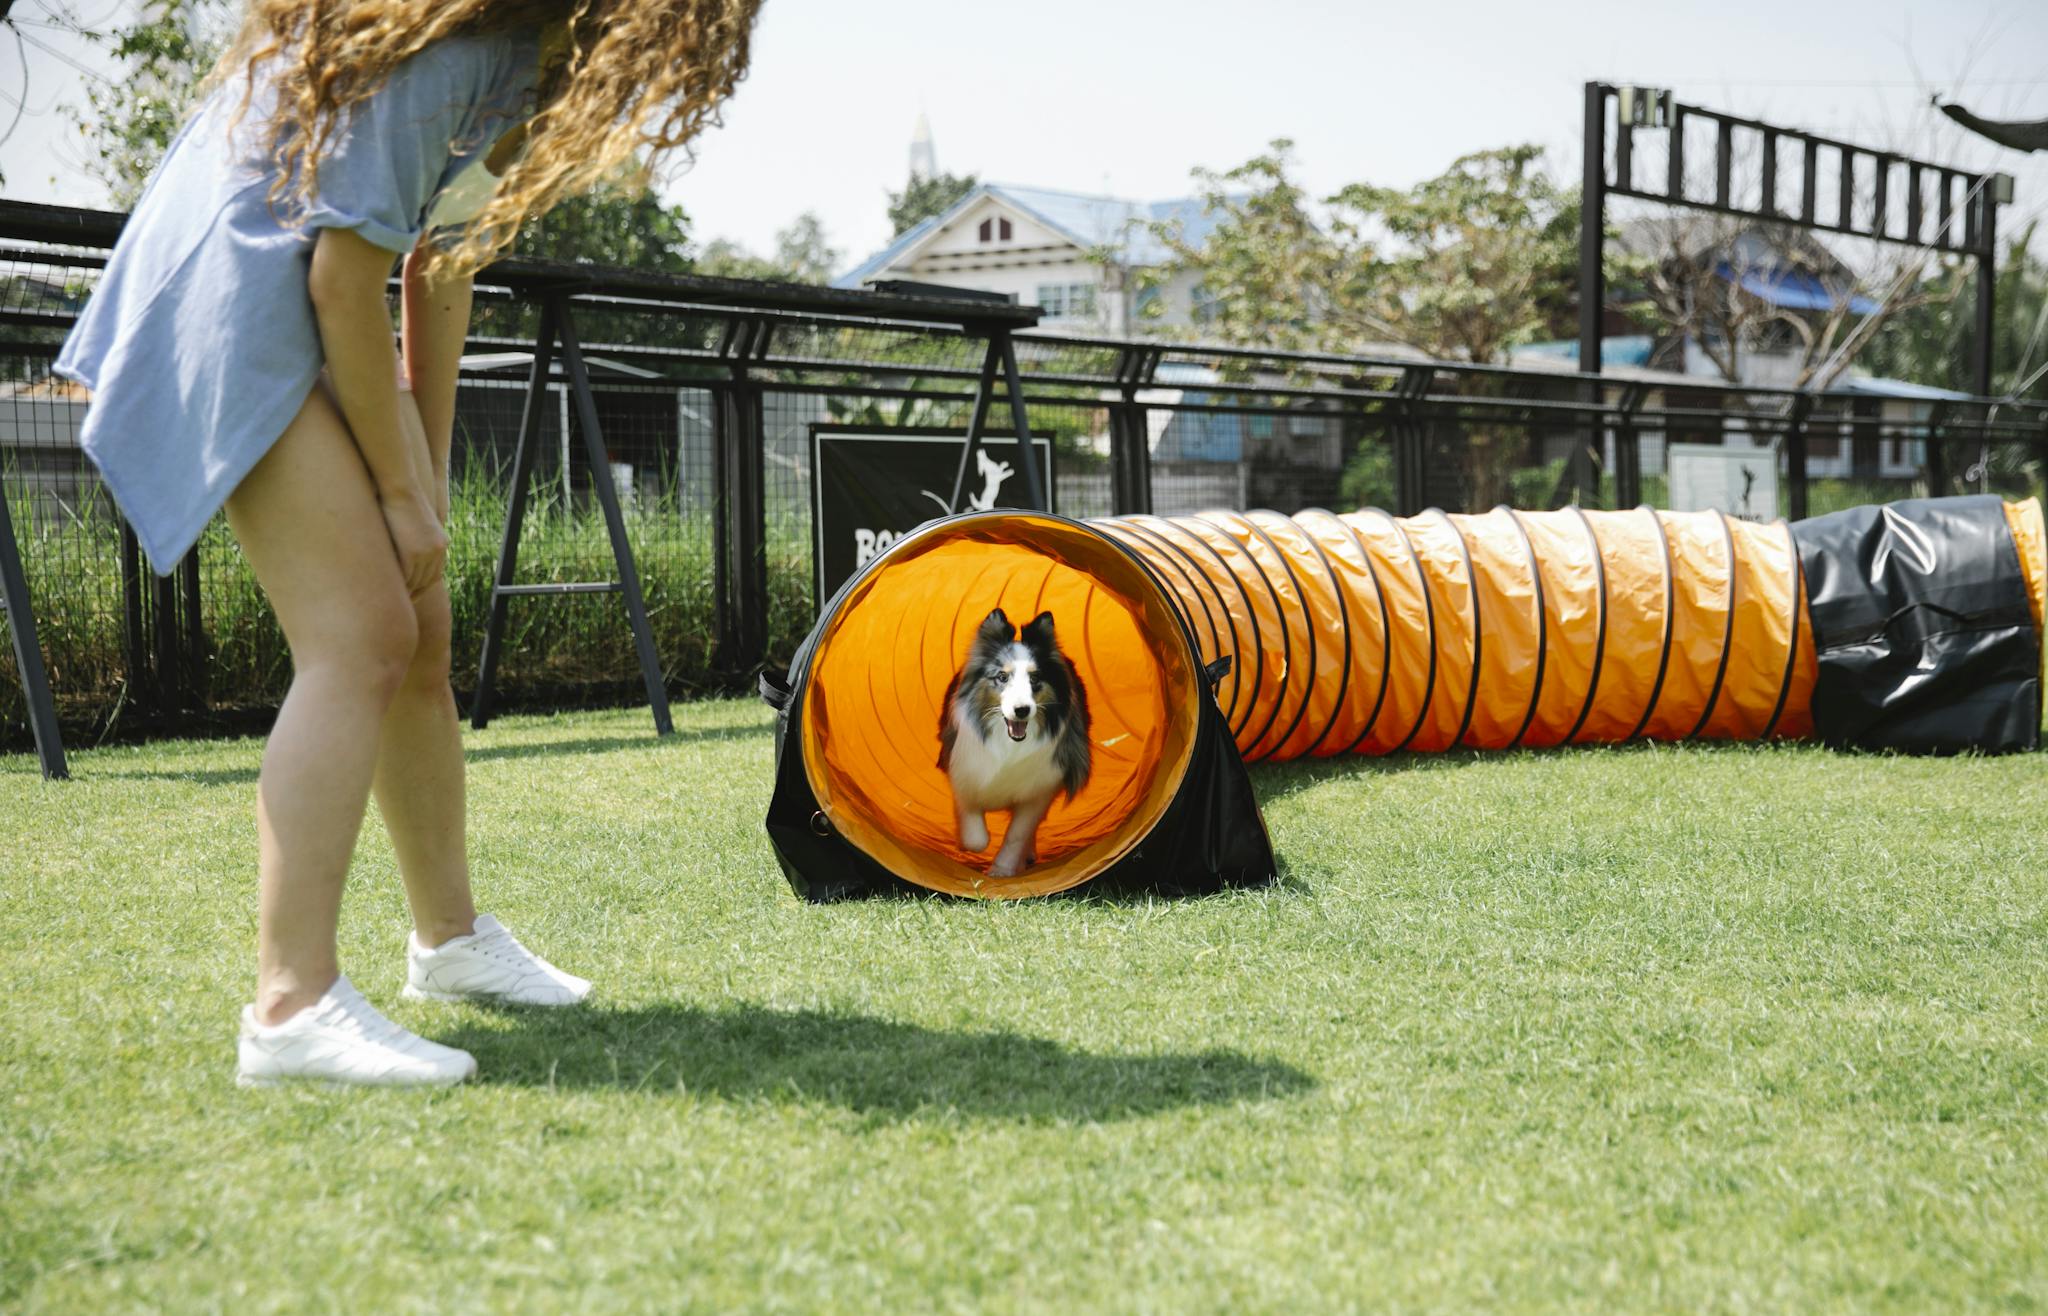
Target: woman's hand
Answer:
pixel 416 535
pixel 432 474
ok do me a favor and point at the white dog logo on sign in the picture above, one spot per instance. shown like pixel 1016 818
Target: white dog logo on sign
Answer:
pixel 993 473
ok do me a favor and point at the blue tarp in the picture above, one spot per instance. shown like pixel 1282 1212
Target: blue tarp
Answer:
pixel 1795 290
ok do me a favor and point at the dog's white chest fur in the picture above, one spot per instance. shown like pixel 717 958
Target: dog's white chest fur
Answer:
pixel 997 772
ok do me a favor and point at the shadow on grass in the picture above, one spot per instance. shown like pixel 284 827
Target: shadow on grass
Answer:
pixel 484 754
pixel 867 1065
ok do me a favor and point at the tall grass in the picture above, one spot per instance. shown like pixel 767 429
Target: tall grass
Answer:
pixel 568 649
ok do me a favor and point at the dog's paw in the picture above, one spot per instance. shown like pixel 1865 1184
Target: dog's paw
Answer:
pixel 1008 865
pixel 974 834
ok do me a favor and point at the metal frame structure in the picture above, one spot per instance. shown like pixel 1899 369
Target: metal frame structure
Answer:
pixel 756 347
pixel 1968 230
pixel 753 312
pixel 28 653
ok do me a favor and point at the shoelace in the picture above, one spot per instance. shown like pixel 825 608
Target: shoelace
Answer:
pixel 365 1021
pixel 499 944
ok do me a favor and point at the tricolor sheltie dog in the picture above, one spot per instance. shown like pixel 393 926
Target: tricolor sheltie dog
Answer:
pixel 1013 733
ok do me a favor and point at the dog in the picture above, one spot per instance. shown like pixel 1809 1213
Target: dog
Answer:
pixel 1013 734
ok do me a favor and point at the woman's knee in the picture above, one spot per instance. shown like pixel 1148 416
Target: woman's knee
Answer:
pixel 371 650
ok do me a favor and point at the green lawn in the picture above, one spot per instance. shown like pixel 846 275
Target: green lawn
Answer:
pixel 1704 1028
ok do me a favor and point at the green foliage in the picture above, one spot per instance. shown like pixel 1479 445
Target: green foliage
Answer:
pixel 628 226
pixel 165 51
pixel 1462 266
pixel 557 650
pixel 802 255
pixel 922 198
pixel 1932 341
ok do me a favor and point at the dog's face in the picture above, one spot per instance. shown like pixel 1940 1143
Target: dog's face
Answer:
pixel 1015 680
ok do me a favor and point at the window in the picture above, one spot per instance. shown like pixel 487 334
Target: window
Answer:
pixel 987 228
pixel 1003 229
pixel 1067 301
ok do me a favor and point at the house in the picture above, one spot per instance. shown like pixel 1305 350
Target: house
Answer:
pixel 1073 255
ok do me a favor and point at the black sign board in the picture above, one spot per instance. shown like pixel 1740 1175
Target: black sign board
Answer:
pixel 873 485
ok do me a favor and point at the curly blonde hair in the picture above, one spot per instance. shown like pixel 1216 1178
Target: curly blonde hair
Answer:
pixel 624 80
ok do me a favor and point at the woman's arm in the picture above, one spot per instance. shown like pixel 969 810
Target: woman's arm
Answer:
pixel 436 324
pixel 347 288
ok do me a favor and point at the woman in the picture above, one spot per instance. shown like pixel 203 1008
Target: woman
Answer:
pixel 240 354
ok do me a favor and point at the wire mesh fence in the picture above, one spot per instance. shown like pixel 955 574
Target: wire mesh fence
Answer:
pixel 702 386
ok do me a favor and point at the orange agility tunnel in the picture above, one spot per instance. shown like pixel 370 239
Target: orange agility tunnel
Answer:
pixel 1211 641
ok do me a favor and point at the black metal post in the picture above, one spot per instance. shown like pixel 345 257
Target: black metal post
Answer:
pixel 723 638
pixel 134 647
pixel 1411 477
pixel 1937 459
pixel 1628 452
pixel 28 652
pixel 746 533
pixel 614 520
pixel 515 513
pixel 1987 292
pixel 984 389
pixel 191 633
pixel 1020 420
pixel 1795 456
pixel 1592 275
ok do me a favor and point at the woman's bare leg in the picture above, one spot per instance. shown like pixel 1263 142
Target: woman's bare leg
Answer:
pixel 419 783
pixel 308 521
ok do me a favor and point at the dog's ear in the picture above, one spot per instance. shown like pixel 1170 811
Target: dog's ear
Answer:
pixel 996 627
pixel 1040 631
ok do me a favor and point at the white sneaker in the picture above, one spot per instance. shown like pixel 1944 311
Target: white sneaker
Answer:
pixel 487 965
pixel 342 1038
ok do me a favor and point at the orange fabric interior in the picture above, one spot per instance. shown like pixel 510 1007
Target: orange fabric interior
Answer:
pixel 879 674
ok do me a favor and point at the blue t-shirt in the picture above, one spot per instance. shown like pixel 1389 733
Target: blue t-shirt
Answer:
pixel 200 342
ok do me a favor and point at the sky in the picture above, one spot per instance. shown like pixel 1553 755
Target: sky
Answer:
pixel 1126 97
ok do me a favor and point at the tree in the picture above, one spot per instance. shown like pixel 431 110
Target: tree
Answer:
pixel 627 226
pixel 1463 266
pixel 802 255
pixel 1933 341
pixel 130 120
pixel 922 198
pixel 1698 281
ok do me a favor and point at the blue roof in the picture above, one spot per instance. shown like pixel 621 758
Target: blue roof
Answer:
pixel 858 276
pixel 1615 349
pixel 1086 221
pixel 1795 290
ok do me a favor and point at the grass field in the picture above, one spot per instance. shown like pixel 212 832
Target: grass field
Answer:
pixel 1705 1028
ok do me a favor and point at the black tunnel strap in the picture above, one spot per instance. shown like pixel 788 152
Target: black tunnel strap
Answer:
pixel 1286 643
pixel 1670 623
pixel 1727 632
pixel 1429 616
pixel 1600 642
pixel 1386 636
pixel 775 689
pixel 1216 671
pixel 1165 591
pixel 1174 558
pixel 1471 593
pixel 1251 617
pixel 1343 615
pixel 1237 684
pixel 1301 600
pixel 1542 624
pixel 1791 648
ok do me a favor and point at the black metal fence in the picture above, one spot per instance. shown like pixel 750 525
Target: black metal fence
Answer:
pixel 707 392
